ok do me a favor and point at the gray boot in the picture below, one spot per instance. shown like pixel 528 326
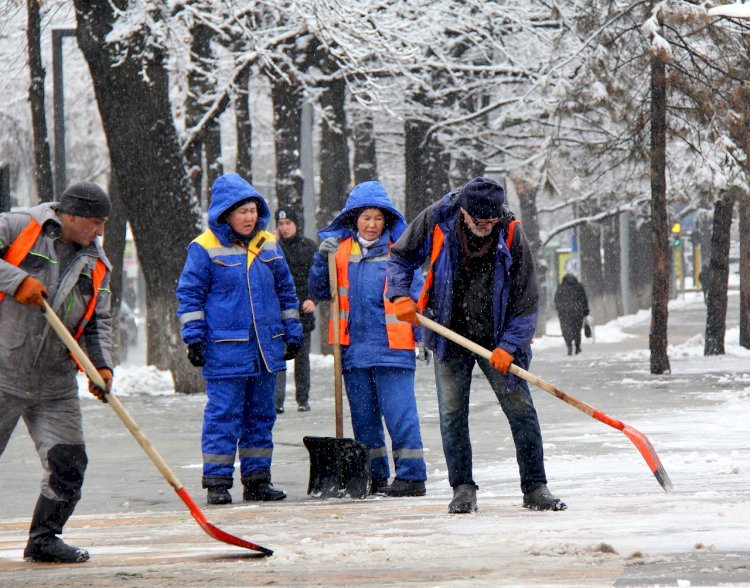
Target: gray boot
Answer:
pixel 540 498
pixel 464 499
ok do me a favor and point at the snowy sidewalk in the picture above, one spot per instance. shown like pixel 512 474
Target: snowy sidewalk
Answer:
pixel 621 529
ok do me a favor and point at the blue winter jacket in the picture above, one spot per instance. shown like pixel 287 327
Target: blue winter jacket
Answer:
pixel 244 316
pixel 368 343
pixel 514 296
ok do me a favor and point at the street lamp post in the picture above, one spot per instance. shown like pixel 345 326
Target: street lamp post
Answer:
pixel 59 106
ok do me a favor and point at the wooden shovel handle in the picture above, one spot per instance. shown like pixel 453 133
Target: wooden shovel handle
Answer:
pixel 514 369
pixel 93 374
pixel 337 375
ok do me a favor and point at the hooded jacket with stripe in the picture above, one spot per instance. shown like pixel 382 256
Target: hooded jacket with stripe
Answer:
pixel 34 362
pixel 243 316
pixel 368 345
pixel 514 296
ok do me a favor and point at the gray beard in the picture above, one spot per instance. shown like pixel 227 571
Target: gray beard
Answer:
pixel 479 232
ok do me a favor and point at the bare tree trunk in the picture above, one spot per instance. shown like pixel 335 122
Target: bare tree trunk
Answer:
pixel 591 268
pixel 150 181
pixel 612 296
pixel 214 161
pixel 199 86
pixel 660 228
pixel 427 166
pixel 114 242
pixel 466 169
pixel 287 124
pixel 527 193
pixel 42 163
pixel 718 275
pixel 365 154
pixel 335 173
pixel 744 214
pixel 244 123
pixel 641 266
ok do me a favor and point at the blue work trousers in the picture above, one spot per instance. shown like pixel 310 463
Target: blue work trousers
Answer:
pixel 379 393
pixel 239 414
pixel 453 379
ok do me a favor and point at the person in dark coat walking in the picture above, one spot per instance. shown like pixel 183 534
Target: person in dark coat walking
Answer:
pixel 572 307
pixel 299 251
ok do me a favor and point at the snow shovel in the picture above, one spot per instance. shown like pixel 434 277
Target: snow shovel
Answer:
pixel 338 466
pixel 150 450
pixel 639 439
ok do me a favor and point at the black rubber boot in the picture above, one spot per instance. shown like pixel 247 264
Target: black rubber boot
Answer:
pixel 218 490
pixel 540 498
pixel 258 486
pixel 377 485
pixel 401 488
pixel 48 521
pixel 464 499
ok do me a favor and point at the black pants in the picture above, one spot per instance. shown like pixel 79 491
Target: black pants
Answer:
pixel 301 375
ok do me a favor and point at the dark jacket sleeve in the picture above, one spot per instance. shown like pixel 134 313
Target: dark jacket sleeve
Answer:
pixel 409 253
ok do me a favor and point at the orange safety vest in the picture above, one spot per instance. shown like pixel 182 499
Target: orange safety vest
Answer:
pixel 438 239
pixel 400 334
pixel 20 248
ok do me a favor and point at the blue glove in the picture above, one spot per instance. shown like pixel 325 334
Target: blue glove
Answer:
pixel 329 245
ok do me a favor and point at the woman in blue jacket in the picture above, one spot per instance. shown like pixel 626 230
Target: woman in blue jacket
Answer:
pixel 239 317
pixel 378 351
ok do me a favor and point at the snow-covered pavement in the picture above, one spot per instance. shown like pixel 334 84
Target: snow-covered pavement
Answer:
pixel 620 528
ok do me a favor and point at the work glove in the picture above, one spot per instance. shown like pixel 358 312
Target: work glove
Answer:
pixel 291 351
pixel 406 310
pixel 423 354
pixel 329 245
pixel 31 291
pixel 501 360
pixel 197 354
pixel 106 375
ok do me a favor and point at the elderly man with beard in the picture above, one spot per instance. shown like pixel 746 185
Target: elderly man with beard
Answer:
pixel 481 284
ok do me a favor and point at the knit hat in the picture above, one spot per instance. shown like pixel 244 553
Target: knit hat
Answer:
pixel 85 199
pixel 482 198
pixel 286 212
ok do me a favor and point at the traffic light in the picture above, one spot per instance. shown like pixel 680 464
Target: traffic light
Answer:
pixel 676 237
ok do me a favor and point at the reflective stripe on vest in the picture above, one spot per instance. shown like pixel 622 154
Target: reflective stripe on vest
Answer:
pixel 20 248
pixel 438 240
pixel 400 334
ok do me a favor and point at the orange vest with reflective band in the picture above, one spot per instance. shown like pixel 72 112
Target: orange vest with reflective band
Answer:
pixel 400 334
pixel 20 248
pixel 438 239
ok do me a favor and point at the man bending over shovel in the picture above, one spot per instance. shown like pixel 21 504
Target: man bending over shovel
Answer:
pixel 481 284
pixel 52 251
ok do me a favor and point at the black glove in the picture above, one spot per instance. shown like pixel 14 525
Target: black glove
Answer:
pixel 291 351
pixel 197 354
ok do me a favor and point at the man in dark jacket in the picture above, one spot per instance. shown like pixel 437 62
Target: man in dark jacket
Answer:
pixel 481 284
pixel 52 252
pixel 299 251
pixel 572 307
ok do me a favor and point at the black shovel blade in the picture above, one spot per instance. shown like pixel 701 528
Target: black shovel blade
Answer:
pixel 338 467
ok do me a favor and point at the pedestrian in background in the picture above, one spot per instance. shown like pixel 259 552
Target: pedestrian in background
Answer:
pixel 52 252
pixel 378 351
pixel 299 251
pixel 481 284
pixel 239 318
pixel 572 307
